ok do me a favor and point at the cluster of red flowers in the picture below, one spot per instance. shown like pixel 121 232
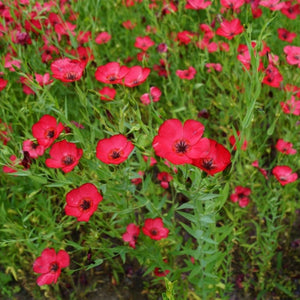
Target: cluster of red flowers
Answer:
pixel 175 142
pixel 154 228
pixel 184 144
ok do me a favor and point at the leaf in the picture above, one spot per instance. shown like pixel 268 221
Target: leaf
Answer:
pixel 97 263
pixel 186 206
pixel 207 220
pixel 188 216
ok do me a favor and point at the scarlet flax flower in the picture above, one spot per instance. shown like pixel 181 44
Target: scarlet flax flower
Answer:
pixel 136 76
pixel 285 35
pixel 49 264
pixel 131 234
pixel 155 229
pixel 293 55
pixel 46 130
pixel 103 38
pixel 188 74
pixel 83 202
pixel 143 43
pixel 284 174
pixel 114 150
pixel 164 178
pixel 64 155
pixel 154 96
pixel 232 141
pixel 291 106
pixel 159 272
pixel 111 73
pixel 197 4
pixel 273 77
pixel 285 147
pixel 215 161
pixel 240 195
pixel 179 143
pixel 261 170
pixel 67 70
pixel 229 29
pixel 107 94
pixel 33 148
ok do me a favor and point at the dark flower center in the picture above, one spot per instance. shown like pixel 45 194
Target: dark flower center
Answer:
pixel 54 267
pixel 111 78
pixel 154 232
pixel 70 76
pixel 68 160
pixel 50 134
pixel 181 147
pixel 34 145
pixel 208 164
pixel 85 204
pixel 115 155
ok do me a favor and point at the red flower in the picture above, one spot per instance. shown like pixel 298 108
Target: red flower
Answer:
pixel 290 10
pixel 261 170
pixel 240 195
pixel 187 74
pixel 291 106
pixel 162 68
pixel 128 24
pixel 64 155
pixel 151 159
pixel 33 149
pixel 139 179
pixel 233 142
pixel 3 84
pixel 293 55
pixel 49 264
pixel 67 70
pixel 131 234
pixel 197 4
pixel 185 37
pixel 159 273
pixel 103 38
pixel 114 150
pixel 229 29
pixel 111 73
pixel 107 94
pixel 285 147
pixel 136 76
pixel 83 54
pixel 273 77
pixel 143 43
pixel 233 4
pixel 285 35
pixel 210 66
pixel 155 229
pixel 46 130
pixel 43 80
pixel 48 50
pixel 5 130
pixel 180 144
pixel 11 168
pixel 164 178
pixel 217 159
pixel 284 174
pixel 83 202
pixel 154 96
pixel 272 4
